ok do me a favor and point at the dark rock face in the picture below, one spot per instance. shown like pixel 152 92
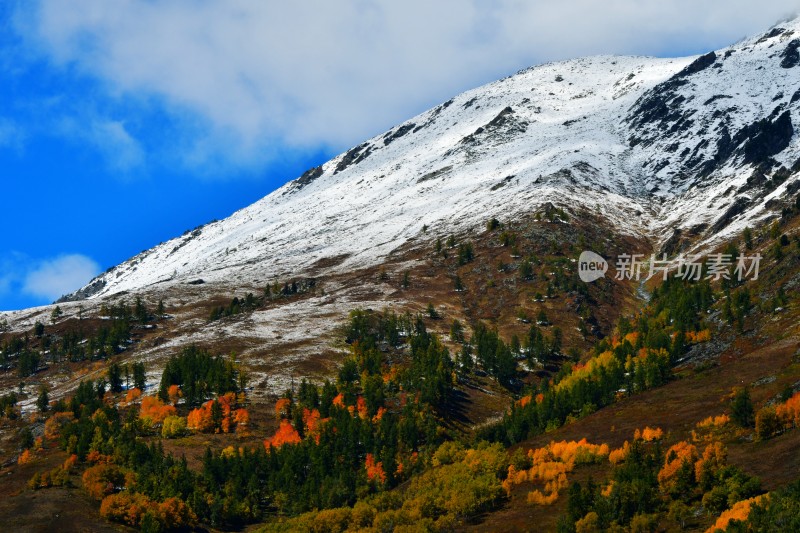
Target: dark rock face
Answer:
pixel 738 207
pixel 765 139
pixel 308 177
pixel 94 287
pixel 771 35
pixel 790 55
pixel 435 174
pixel 501 119
pixel 399 132
pixel 354 157
pixel 674 245
pixel 502 127
pixel 701 63
pixel 756 143
pixel 663 106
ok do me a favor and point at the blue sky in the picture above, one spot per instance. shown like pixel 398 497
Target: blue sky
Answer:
pixel 124 123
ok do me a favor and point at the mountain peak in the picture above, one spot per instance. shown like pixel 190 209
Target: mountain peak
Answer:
pixel 657 145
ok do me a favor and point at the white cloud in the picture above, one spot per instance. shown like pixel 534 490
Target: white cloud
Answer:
pixel 120 150
pixel 56 277
pixel 118 146
pixel 11 134
pixel 12 269
pixel 249 78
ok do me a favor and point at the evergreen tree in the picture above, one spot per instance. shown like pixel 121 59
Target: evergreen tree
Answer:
pixel 115 377
pixel 217 415
pixel 506 366
pixel 43 401
pixel 465 253
pixel 465 359
pixel 747 237
pixel 456 331
pixel 56 314
pixel 525 270
pixel 742 411
pixel 139 376
pixel 140 311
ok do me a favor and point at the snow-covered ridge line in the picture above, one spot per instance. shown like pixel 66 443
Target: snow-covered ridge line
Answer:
pixel 657 145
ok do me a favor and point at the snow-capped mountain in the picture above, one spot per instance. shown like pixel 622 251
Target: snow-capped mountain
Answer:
pixel 697 146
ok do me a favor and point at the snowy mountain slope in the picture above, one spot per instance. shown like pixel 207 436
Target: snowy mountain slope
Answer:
pixel 657 145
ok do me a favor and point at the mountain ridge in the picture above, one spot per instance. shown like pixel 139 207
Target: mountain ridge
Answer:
pixel 655 144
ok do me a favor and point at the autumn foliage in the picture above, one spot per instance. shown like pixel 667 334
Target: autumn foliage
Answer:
pixel 649 434
pixel 57 477
pixel 132 395
pixel 789 411
pixel 375 470
pixel 286 434
pixel 202 419
pixel 772 420
pixel 680 454
pixel 550 466
pixel 739 511
pixel 618 455
pixel 130 508
pixel 54 424
pixel 174 394
pixel 154 410
pixel 695 337
pixel 283 407
pixel 102 479
pixel 174 426
pixel 713 422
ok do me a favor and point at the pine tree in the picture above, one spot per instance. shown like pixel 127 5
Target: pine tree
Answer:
pixel 115 377
pixel 456 331
pixel 742 411
pixel 139 376
pixel 140 311
pixel 216 415
pixel 525 270
pixel 465 358
pixel 43 401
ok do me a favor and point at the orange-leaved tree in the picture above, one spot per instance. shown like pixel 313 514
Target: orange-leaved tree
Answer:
pixel 375 469
pixel 154 410
pixel 286 434
pixel 677 474
pixel 740 511
pixel 132 395
pixel 174 394
pixel 103 479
